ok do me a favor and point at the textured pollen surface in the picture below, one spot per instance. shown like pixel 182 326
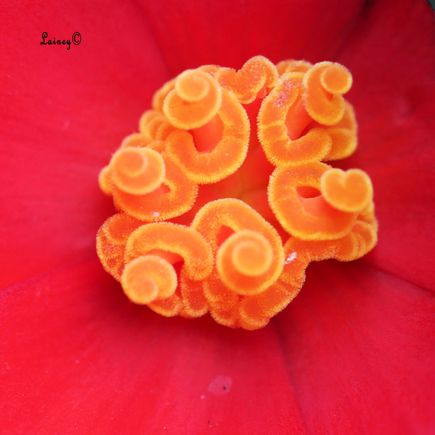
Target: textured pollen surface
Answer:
pixel 224 198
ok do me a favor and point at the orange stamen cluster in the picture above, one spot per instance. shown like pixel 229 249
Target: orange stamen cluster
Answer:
pixel 224 197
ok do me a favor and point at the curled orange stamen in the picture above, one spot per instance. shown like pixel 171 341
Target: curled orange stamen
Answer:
pixel 175 196
pixel 324 85
pixel 148 278
pixel 152 252
pixel 228 165
pixel 225 141
pixel 349 191
pixel 137 170
pixel 300 207
pixel 300 253
pixel 281 119
pixel 183 241
pixel 194 101
pixel 234 229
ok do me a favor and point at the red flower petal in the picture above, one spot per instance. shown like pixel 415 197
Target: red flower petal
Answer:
pixel 80 358
pixel 77 357
pixel 360 353
pixel 354 353
pixel 63 113
pixel 391 54
pixel 192 33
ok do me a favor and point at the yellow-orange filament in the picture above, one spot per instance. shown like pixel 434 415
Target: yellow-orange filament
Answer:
pixel 223 196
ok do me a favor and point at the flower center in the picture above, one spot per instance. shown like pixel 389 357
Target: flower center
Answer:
pixel 224 197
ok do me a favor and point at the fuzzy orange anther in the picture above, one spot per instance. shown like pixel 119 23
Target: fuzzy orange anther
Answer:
pixel 194 101
pixel 175 196
pixel 300 253
pixel 111 240
pixel 245 256
pixel 215 150
pixel 147 278
pixel 281 122
pixel 256 74
pixel 324 85
pixel 234 229
pixel 137 170
pixel 173 244
pixel 301 209
pixel 186 243
pixel 349 191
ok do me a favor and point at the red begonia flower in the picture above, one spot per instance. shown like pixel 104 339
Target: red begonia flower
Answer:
pixel 354 353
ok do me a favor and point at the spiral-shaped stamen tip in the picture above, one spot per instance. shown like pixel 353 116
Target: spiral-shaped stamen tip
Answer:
pixel 244 262
pixel 148 278
pixel 282 120
pixel 194 101
pixel 137 170
pixel 217 149
pixel 324 85
pixel 336 79
pixel 249 252
pixel 348 191
pixel 192 86
pixel 129 162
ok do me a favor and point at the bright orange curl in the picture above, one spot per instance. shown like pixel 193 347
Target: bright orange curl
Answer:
pixel 185 242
